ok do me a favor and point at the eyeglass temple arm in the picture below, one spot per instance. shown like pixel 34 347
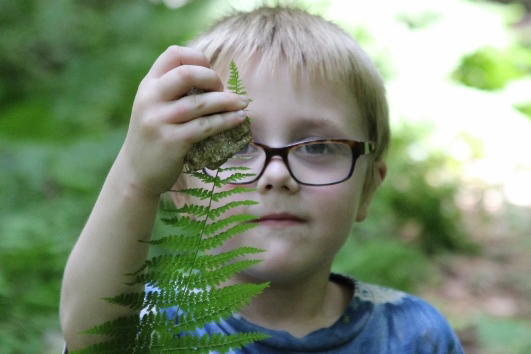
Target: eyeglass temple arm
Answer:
pixel 368 147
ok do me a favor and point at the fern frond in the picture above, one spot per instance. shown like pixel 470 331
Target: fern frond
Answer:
pixel 235 83
pixel 218 276
pixel 186 281
pixel 198 193
pixel 193 209
pixel 235 177
pixel 212 261
pixel 217 343
pixel 184 222
pixel 216 213
pixel 164 280
pixel 118 327
pixel 215 180
pixel 115 346
pixel 178 261
pixel 218 239
pixel 179 243
pixel 198 308
pixel 203 302
pixel 194 303
pixel 223 223
pixel 233 168
pixel 175 278
pixel 135 301
pixel 236 190
pixel 182 261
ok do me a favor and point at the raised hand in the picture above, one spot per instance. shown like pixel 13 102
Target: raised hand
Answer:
pixel 166 122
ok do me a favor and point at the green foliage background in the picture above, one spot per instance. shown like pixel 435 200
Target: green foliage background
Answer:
pixel 69 70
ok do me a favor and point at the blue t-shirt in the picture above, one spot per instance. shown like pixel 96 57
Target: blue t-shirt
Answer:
pixel 378 320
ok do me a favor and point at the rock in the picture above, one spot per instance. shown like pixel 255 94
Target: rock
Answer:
pixel 217 149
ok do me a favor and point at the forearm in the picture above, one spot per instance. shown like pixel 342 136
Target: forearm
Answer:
pixel 106 250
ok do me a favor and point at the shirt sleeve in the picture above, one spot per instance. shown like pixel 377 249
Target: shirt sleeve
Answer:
pixel 405 323
pixel 430 329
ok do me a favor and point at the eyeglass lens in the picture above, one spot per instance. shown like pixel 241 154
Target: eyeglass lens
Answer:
pixel 315 163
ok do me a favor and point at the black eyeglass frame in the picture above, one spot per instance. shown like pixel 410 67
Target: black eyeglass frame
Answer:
pixel 359 148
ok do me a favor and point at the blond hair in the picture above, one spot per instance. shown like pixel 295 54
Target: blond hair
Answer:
pixel 309 45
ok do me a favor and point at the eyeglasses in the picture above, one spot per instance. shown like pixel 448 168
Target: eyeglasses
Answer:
pixel 311 163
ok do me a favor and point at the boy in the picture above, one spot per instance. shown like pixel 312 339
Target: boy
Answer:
pixel 317 101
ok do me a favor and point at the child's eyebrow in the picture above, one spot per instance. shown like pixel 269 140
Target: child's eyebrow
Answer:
pixel 328 128
pixel 314 122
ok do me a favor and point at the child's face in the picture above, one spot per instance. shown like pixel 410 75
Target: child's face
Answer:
pixel 300 227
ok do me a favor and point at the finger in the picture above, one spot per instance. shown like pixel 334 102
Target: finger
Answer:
pixel 203 127
pixel 206 104
pixel 178 81
pixel 176 56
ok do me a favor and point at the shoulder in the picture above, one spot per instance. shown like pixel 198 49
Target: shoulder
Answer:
pixel 398 305
pixel 406 320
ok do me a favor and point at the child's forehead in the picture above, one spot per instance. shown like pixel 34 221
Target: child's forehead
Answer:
pixel 257 71
pixel 295 104
pixel 269 70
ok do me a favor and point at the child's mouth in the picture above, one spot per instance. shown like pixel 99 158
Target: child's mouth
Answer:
pixel 279 219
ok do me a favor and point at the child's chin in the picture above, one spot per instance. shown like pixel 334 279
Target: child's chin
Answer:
pixel 275 272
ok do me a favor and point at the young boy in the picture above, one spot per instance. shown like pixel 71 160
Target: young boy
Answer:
pixel 320 133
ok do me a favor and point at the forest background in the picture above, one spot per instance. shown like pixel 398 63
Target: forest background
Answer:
pixel 452 222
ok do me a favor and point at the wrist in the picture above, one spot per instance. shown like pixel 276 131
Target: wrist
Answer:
pixel 125 182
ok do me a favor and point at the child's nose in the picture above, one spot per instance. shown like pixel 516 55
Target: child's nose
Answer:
pixel 276 176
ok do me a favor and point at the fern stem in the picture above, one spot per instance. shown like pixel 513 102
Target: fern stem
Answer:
pixel 192 267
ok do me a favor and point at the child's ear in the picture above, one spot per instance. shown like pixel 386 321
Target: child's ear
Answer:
pixel 179 199
pixel 380 171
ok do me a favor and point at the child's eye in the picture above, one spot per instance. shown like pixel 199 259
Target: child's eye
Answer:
pixel 247 151
pixel 314 149
pixel 328 151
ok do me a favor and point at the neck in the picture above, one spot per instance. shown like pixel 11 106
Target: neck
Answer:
pixel 298 307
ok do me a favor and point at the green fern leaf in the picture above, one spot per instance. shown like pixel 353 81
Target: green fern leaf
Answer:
pixel 196 210
pixel 234 83
pixel 218 239
pixel 198 193
pixel 217 225
pixel 187 281
pixel 216 213
pixel 181 242
pixel 224 194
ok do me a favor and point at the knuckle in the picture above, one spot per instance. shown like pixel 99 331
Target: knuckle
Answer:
pixel 187 140
pixel 184 73
pixel 173 50
pixel 147 90
pixel 144 97
pixel 181 111
pixel 198 102
pixel 205 125
pixel 149 125
pixel 149 122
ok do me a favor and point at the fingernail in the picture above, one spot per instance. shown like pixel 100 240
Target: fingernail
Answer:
pixel 244 99
pixel 241 114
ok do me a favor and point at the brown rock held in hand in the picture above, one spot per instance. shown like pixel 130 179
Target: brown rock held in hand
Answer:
pixel 215 150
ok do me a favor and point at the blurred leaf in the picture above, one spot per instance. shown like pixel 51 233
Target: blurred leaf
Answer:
pixel 416 202
pixel 31 119
pixel 505 335
pixel 386 262
pixel 525 109
pixel 82 61
pixel 419 20
pixel 491 68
